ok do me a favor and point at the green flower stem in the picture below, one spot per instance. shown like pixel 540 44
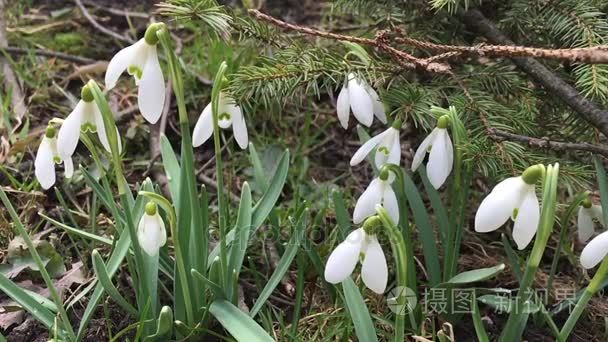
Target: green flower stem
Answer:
pixel 565 221
pixel 187 172
pixel 215 105
pixel 65 319
pixel 400 255
pixel 123 187
pixel 517 318
pixel 592 288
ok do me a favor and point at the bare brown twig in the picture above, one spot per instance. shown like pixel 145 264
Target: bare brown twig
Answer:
pixel 587 109
pixel 550 144
pixel 48 53
pixel 381 42
pixel 590 55
pixel 100 27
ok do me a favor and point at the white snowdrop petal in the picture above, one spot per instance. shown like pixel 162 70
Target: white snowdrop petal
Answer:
pixel 374 271
pixel 585 224
pixel 121 62
pixel 151 96
pixel 498 206
pixel 595 251
pixel 394 156
pixel 422 149
pixel 390 203
pixel 527 219
pixel 44 166
pixel 366 204
pixel 68 166
pixel 69 133
pixel 94 112
pixel 379 111
pixel 343 259
pixel 596 212
pixel 360 102
pixel 366 148
pixel 203 128
pixel 439 165
pixel 239 127
pixel 343 107
pixel 149 234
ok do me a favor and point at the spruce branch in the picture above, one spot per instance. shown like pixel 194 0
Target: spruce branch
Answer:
pixel 548 144
pixel 590 55
pixel 380 42
pixel 556 86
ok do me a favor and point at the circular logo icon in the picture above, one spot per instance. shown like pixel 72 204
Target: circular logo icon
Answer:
pixel 402 300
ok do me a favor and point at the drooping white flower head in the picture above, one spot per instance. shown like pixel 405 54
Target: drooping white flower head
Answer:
pixel 359 243
pixel 84 117
pixel 46 158
pixel 441 153
pixel 141 61
pixel 595 251
pixel 151 233
pixel 587 212
pixel 379 192
pixel 388 148
pixel 514 197
pixel 358 96
pixel 229 115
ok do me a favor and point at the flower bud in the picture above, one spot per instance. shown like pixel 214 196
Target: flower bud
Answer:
pixel 443 122
pixel 533 174
pixel 371 224
pixel 151 208
pixel 50 132
pixel 86 94
pixel 150 35
pixel 396 124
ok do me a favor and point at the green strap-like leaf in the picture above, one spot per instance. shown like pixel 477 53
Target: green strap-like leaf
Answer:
pixel 102 275
pixel 364 327
pixel 283 265
pixel 242 327
pixel 28 303
pixel 425 229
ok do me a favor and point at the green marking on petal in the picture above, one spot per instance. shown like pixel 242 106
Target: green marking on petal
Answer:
pixel 514 214
pixel 57 160
pixel 135 71
pixel 224 116
pixel 384 150
pixel 88 127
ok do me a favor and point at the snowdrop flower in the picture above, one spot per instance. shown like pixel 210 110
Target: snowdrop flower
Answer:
pixel 361 243
pixel 140 60
pixel 388 149
pixel 595 251
pixel 47 157
pixel 586 213
pixel 229 115
pixel 85 117
pixel 379 192
pixel 151 232
pixel 358 96
pixel 441 153
pixel 514 197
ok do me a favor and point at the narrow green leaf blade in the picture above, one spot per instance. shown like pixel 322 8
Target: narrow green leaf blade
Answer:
pixel 242 327
pixel 28 303
pixel 364 327
pixel 283 265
